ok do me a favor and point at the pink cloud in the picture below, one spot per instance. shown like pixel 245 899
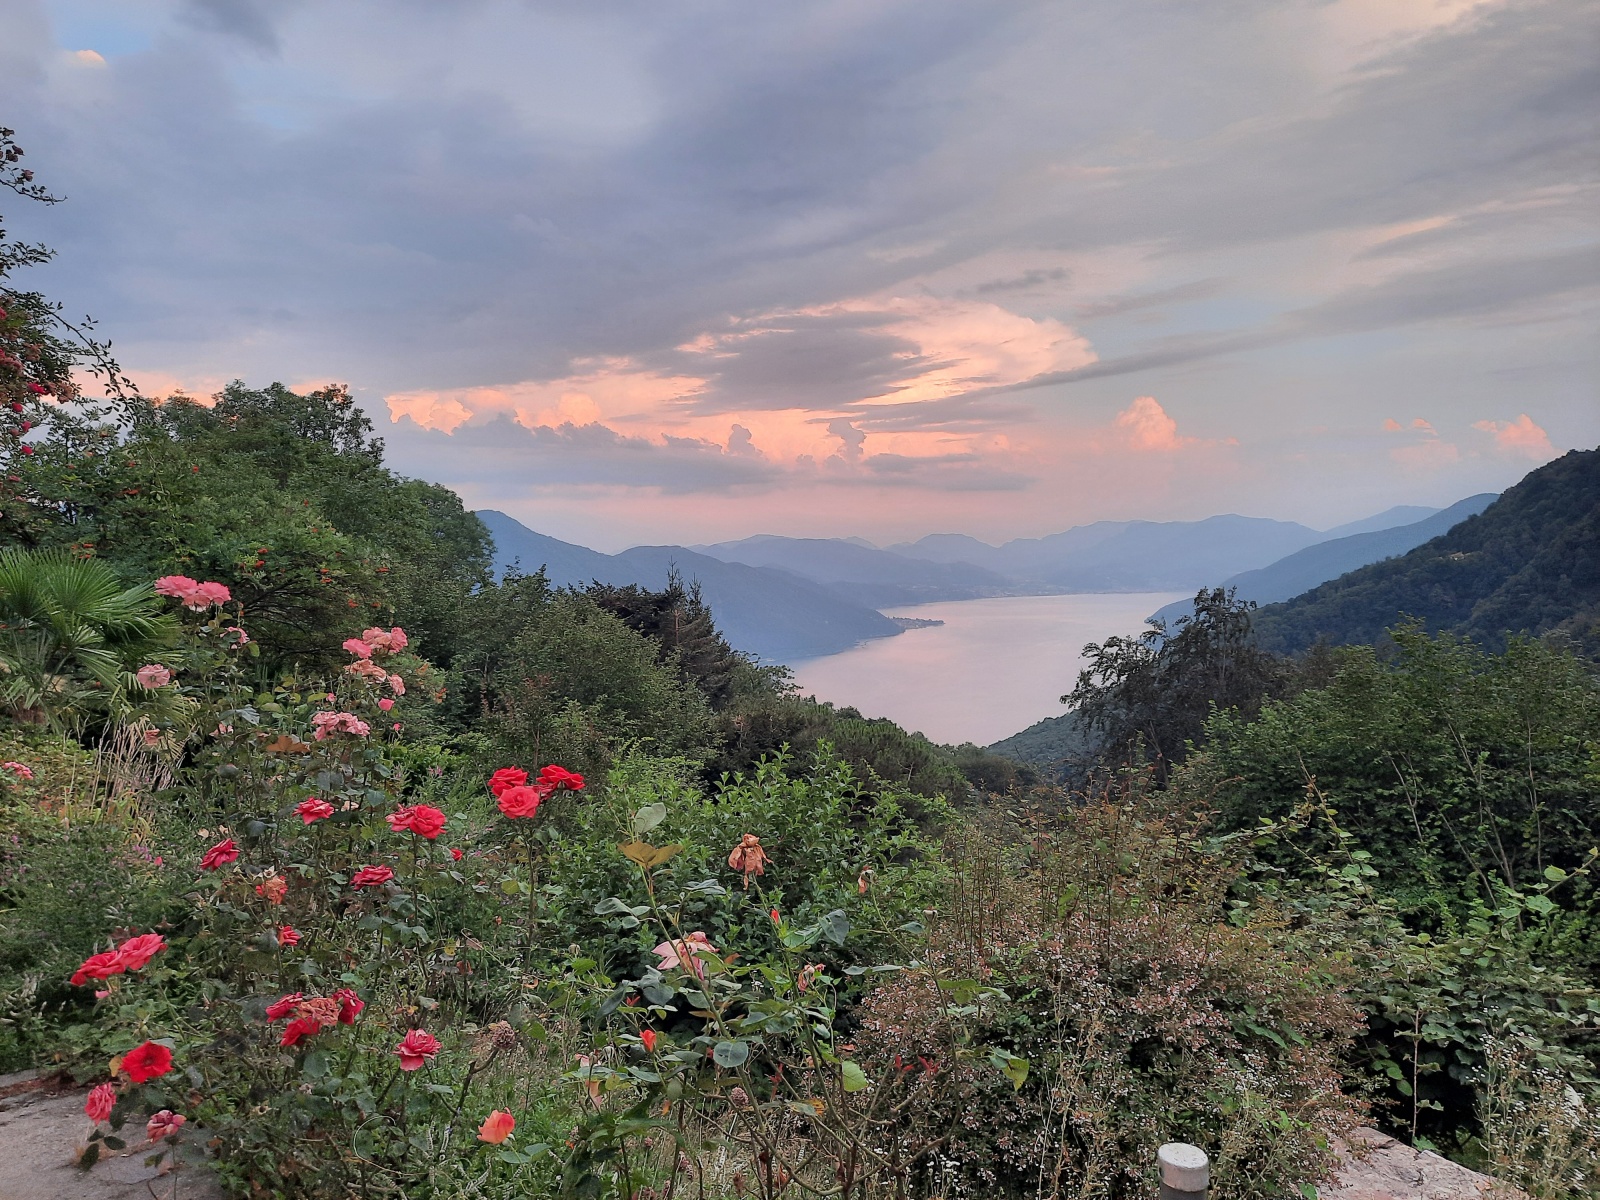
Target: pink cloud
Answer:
pixel 1521 437
pixel 1148 429
pixel 1390 425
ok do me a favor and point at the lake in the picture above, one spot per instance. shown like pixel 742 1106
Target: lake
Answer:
pixel 992 669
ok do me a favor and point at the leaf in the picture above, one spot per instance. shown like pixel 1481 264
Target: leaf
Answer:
pixel 510 887
pixel 1554 874
pixel 315 1065
pixel 835 926
pixel 665 854
pixel 114 1143
pixel 855 1079
pixel 1014 1068
pixel 90 1156
pixel 647 818
pixel 809 1107
pixel 1309 1191
pixel 646 855
pixel 284 744
pixel 730 1054
pixel 1542 905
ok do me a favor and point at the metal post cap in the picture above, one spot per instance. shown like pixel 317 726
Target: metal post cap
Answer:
pixel 1184 1168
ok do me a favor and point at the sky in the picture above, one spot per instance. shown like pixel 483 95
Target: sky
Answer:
pixel 643 273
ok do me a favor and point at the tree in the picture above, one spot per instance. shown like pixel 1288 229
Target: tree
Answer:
pixel 71 637
pixel 1157 690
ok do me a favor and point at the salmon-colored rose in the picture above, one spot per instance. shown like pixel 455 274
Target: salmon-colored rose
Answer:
pixel 99 1103
pixel 496 1127
pixel 748 858
pixel 283 1006
pixel 311 809
pixel 371 877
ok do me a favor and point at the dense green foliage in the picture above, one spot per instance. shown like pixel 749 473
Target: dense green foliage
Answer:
pixel 1529 563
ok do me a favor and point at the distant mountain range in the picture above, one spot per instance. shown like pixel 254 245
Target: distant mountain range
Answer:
pixel 776 615
pixel 786 599
pixel 1528 563
pixel 1322 561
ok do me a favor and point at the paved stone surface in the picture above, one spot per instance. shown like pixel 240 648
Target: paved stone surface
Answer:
pixel 42 1128
pixel 1377 1167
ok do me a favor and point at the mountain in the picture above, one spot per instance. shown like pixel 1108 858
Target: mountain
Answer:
pixel 863 573
pixel 775 615
pixel 1059 747
pixel 1389 518
pixel 1529 562
pixel 1127 556
pixel 1318 563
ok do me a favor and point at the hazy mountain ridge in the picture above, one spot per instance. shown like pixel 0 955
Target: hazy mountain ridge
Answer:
pixel 776 615
pixel 1528 563
pixel 1323 561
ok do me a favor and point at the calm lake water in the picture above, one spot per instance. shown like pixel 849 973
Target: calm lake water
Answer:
pixel 993 668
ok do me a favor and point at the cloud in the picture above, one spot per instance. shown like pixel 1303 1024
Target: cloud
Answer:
pixel 1145 428
pixel 1520 437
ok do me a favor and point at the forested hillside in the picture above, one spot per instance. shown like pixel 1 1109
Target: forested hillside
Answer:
pixel 1529 563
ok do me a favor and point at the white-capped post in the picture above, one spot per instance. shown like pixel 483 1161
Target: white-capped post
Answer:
pixel 1185 1171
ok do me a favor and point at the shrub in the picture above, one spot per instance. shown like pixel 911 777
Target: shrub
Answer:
pixel 1086 999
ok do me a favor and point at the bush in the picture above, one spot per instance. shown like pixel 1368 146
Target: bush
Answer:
pixel 1086 998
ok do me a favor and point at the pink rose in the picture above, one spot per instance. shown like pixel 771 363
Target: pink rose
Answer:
pixel 152 676
pixel 358 647
pixel 416 1049
pixel 386 704
pixel 17 769
pixel 163 1125
pixel 97 1107
pixel 371 877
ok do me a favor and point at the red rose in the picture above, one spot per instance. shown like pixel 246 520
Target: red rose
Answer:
pixel 455 853
pixel 298 1030
pixel 220 855
pixel 371 877
pixel 288 936
pixel 137 951
pixel 561 777
pixel 281 1008
pixel 99 966
pixel 415 1049
pixel 648 1037
pixel 522 801
pixel 350 1005
pixel 311 809
pixel 506 777
pixel 147 1062
pixel 421 819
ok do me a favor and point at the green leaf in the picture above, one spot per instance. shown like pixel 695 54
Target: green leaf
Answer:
pixel 114 1143
pixel 855 1079
pixel 730 1054
pixel 510 887
pixel 1309 1191
pixel 1542 905
pixel 1554 874
pixel 316 1064
pixel 835 926
pixel 647 818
